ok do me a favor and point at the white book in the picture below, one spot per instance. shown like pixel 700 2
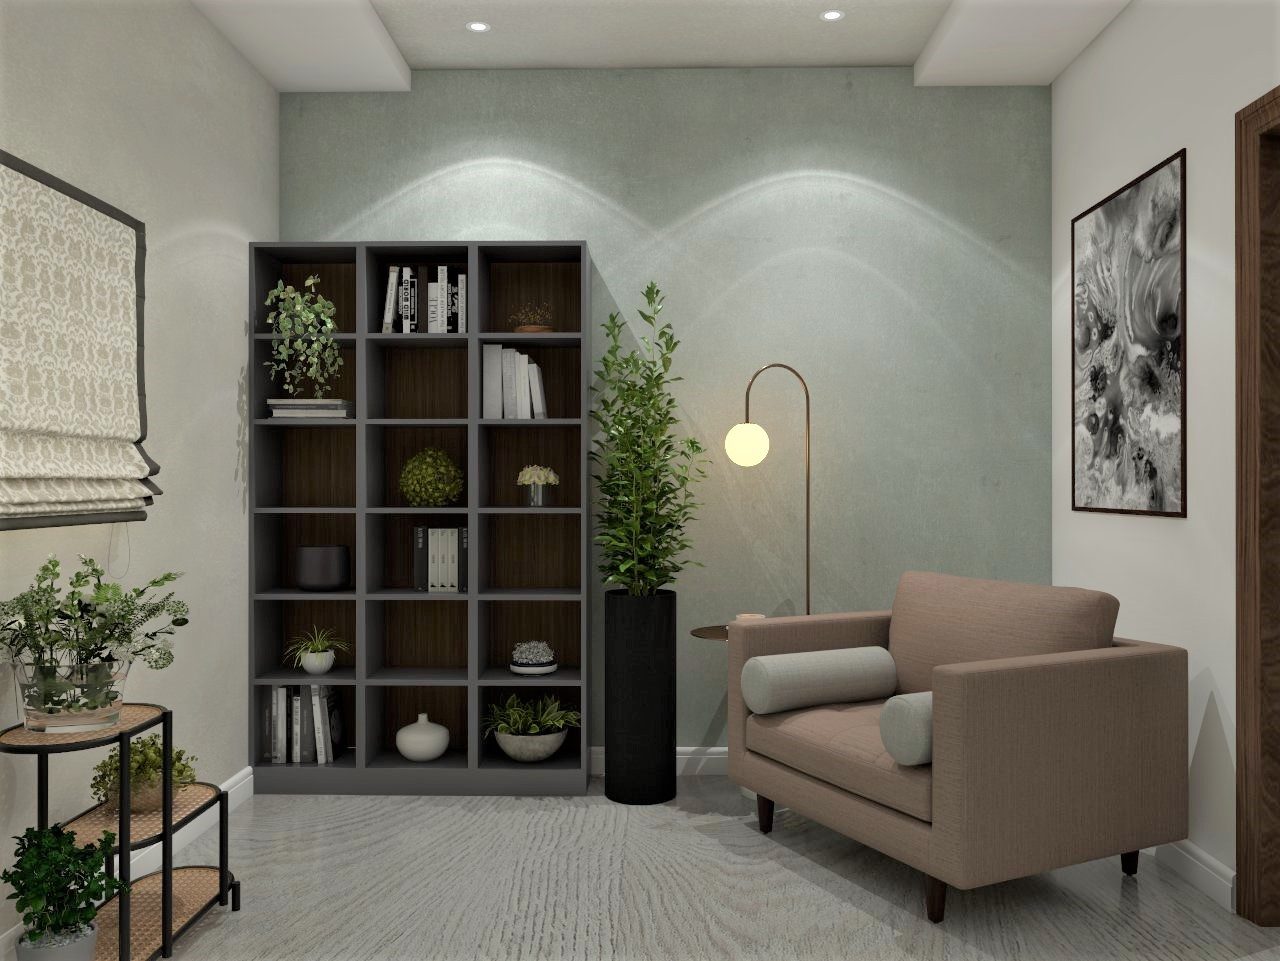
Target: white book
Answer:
pixel 524 410
pixel 537 398
pixel 451 560
pixel 318 710
pixel 509 382
pixel 491 381
pixel 433 309
pixel 406 312
pixel 393 300
pixel 462 303
pixel 442 285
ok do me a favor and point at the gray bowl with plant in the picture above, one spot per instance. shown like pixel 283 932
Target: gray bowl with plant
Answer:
pixel 530 731
pixel 533 658
pixel 146 771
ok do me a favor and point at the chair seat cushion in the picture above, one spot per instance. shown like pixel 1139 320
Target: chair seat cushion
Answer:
pixel 840 744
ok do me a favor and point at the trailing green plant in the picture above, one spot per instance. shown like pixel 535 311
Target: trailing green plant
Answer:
pixel 517 716
pixel 430 478
pixel 303 352
pixel 317 640
pixel 146 765
pixel 644 472
pixel 57 883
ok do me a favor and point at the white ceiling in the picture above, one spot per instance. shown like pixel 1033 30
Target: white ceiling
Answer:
pixel 353 45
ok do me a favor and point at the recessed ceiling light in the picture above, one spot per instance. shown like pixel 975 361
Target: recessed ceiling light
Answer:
pixel 479 26
pixel 831 16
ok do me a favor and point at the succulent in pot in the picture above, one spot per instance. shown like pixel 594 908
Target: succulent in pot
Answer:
pixel 146 772
pixel 315 650
pixel 71 652
pixel 533 657
pixel 57 886
pixel 530 731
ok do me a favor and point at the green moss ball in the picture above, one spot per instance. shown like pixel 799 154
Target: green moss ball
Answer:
pixel 431 479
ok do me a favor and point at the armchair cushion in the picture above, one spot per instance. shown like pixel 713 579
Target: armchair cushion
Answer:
pixel 939 619
pixel 784 682
pixel 840 744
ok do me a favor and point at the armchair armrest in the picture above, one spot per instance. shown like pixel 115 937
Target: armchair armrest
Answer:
pixel 789 635
pixel 1050 760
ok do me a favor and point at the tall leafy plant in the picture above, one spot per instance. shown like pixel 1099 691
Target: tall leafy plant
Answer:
pixel 304 351
pixel 645 472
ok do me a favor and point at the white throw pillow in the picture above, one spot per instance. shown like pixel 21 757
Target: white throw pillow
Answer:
pixel 906 728
pixel 785 682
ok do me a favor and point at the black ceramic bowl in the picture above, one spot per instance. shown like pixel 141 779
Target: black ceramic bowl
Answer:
pixel 325 567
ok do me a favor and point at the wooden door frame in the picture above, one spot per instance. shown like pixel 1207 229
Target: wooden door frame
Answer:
pixel 1257 616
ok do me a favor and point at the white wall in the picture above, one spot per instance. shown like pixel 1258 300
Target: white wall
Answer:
pixel 1168 74
pixel 144 104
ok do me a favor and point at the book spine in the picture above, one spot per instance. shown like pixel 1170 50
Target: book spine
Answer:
pixel 453 308
pixel 464 544
pixel 537 397
pixel 326 736
pixel 421 560
pixel 442 288
pixel 462 303
pixel 295 729
pixel 523 409
pixel 406 275
pixel 413 306
pixel 451 565
pixel 318 710
pixel 279 722
pixel 389 308
pixel 491 381
pixel 434 326
pixel 307 731
pixel 433 546
pixel 508 382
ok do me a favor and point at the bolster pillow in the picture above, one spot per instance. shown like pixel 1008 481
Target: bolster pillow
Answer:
pixel 785 682
pixel 906 728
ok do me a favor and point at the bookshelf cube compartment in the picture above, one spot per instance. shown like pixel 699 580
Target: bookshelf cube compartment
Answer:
pixel 277 623
pixel 539 553
pixel 569 756
pixel 422 641
pixel 390 448
pixel 560 368
pixel 347 735
pixel 504 624
pixel 277 538
pixel 517 275
pixel 390 708
pixel 424 259
pixel 335 266
pixel 299 466
pixel 390 543
pixel 342 384
pixel 418 380
pixel 505 451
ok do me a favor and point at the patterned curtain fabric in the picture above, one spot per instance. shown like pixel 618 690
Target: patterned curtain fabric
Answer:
pixel 71 416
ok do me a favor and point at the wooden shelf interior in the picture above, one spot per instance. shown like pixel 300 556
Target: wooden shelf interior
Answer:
pixel 514 276
pixel 569 754
pixel 335 266
pixel 277 538
pixel 424 259
pixel 391 546
pixel 505 451
pixel 503 624
pixel 279 622
pixel 304 466
pixel 418 380
pixel 346 700
pixel 417 635
pixel 530 551
pixel 391 708
pixel 390 448
pixel 561 371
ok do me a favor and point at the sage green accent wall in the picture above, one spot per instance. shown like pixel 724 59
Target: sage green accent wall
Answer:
pixel 890 242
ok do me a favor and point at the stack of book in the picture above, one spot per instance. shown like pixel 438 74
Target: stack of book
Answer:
pixel 310 407
pixel 437 307
pixel 513 388
pixel 304 725
pixel 440 559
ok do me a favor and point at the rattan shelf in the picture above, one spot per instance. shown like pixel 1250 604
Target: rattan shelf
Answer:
pixel 195 891
pixel 146 827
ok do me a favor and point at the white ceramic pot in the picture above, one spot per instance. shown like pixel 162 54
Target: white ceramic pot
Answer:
pixel 423 740
pixel 82 947
pixel 529 748
pixel 317 663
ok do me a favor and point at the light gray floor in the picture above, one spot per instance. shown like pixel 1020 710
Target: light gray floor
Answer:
pixel 551 878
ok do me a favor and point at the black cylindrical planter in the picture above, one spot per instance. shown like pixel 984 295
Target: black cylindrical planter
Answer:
pixel 326 567
pixel 640 697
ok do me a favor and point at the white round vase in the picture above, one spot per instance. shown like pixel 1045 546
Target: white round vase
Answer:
pixel 422 740
pixel 317 663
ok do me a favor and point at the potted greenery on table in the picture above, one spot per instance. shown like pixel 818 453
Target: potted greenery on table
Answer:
pixel 71 653
pixel 645 476
pixel 146 769
pixel 530 731
pixel 57 886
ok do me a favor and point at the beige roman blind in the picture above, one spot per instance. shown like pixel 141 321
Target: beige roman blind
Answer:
pixel 72 407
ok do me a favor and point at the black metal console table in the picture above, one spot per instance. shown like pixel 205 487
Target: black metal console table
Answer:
pixel 146 913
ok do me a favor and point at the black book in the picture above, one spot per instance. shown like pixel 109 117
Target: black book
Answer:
pixel 462 560
pixel 421 560
pixel 413 305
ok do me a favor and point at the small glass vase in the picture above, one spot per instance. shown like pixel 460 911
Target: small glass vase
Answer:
pixel 537 495
pixel 58 695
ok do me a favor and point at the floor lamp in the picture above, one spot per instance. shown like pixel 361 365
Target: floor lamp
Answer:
pixel 747 445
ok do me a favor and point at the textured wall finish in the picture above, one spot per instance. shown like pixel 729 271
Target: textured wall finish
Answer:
pixel 145 105
pixel 889 242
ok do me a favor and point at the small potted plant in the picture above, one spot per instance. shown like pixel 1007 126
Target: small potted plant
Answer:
pixel 430 478
pixel 538 479
pixel 531 319
pixel 146 771
pixel 57 886
pixel 315 650
pixel 530 731
pixel 304 355
pixel 71 653
pixel 533 657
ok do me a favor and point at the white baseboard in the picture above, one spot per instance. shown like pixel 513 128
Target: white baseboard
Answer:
pixel 1201 870
pixel 689 761
pixel 239 788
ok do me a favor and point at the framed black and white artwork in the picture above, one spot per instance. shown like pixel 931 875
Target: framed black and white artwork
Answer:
pixel 1129 347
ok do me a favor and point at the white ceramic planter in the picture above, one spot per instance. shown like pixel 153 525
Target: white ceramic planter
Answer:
pixel 529 748
pixel 422 740
pixel 83 948
pixel 317 663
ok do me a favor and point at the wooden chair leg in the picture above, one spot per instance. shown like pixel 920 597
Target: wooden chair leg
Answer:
pixel 764 813
pixel 1129 863
pixel 935 898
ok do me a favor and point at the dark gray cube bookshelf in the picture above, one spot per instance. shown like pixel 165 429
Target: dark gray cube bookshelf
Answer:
pixel 334 481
